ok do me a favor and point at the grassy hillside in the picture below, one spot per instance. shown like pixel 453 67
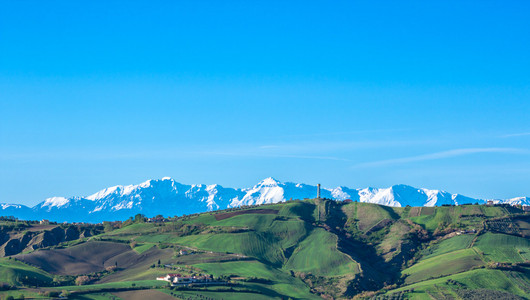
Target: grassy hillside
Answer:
pixel 299 249
pixel 17 273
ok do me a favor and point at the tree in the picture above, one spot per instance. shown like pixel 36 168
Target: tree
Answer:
pixel 139 218
pixel 82 280
pixel 107 226
pixel 128 222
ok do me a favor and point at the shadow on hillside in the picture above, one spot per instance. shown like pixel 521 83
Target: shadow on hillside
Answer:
pixel 375 271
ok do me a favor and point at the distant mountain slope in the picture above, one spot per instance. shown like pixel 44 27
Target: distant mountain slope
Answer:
pixel 168 197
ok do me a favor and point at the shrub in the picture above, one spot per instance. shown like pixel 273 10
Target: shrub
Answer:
pixel 82 280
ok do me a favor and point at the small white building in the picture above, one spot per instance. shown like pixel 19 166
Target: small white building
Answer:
pixel 172 278
pixel 177 278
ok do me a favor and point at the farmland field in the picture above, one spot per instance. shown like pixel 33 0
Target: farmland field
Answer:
pixel 309 249
pixel 444 264
pixel 504 248
pixel 458 242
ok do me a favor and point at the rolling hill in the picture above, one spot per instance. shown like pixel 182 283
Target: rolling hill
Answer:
pixel 299 249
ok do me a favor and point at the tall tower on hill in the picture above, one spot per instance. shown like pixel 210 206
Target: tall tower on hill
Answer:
pixel 318 191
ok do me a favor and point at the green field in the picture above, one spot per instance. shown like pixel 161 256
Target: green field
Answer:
pixel 280 281
pixel 318 254
pixel 504 248
pixel 442 265
pixel 142 248
pixel 310 249
pixel 474 279
pixel 449 245
pixel 17 273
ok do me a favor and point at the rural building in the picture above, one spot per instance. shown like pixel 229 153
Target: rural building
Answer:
pixel 157 219
pixel 178 278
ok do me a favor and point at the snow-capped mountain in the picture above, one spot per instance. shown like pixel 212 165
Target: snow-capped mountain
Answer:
pixel 168 197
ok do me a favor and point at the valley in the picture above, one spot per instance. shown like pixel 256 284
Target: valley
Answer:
pixel 300 249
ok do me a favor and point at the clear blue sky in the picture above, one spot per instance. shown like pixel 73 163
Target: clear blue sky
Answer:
pixel 430 94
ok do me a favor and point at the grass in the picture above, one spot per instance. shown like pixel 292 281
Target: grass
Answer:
pixel 267 241
pixel 499 247
pixel 493 211
pixel 254 221
pixel 474 279
pixel 392 242
pixel 144 294
pixel 442 265
pixel 17 273
pixel 261 246
pixel 318 254
pixel 242 269
pixel 114 285
pixel 220 295
pixel 303 210
pixel 158 238
pixel 133 229
pixel 299 243
pixel 458 242
pixel 22 292
pixel 369 215
pixel 206 218
pixel 280 282
pixel 142 248
pixel 431 218
pixel 95 296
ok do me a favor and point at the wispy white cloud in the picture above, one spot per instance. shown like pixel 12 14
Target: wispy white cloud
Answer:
pixel 441 155
pixel 516 134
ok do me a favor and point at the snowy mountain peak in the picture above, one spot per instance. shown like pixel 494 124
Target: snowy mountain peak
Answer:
pixel 269 181
pixel 108 191
pixel 167 197
pixel 518 201
pixel 13 206
pixel 55 202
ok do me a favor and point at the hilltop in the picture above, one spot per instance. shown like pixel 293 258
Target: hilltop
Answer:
pixel 171 198
pixel 300 249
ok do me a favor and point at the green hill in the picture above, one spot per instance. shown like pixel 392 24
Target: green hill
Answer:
pixel 299 249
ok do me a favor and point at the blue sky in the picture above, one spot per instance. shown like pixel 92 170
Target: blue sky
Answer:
pixel 430 94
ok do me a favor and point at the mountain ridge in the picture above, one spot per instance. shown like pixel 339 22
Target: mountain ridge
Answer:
pixel 168 197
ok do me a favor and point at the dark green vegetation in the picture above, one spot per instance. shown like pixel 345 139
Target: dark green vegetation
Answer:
pixel 307 249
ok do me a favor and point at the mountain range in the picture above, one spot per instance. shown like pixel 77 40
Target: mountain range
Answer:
pixel 167 197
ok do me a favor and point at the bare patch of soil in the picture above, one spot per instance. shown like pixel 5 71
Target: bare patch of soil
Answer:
pixel 88 258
